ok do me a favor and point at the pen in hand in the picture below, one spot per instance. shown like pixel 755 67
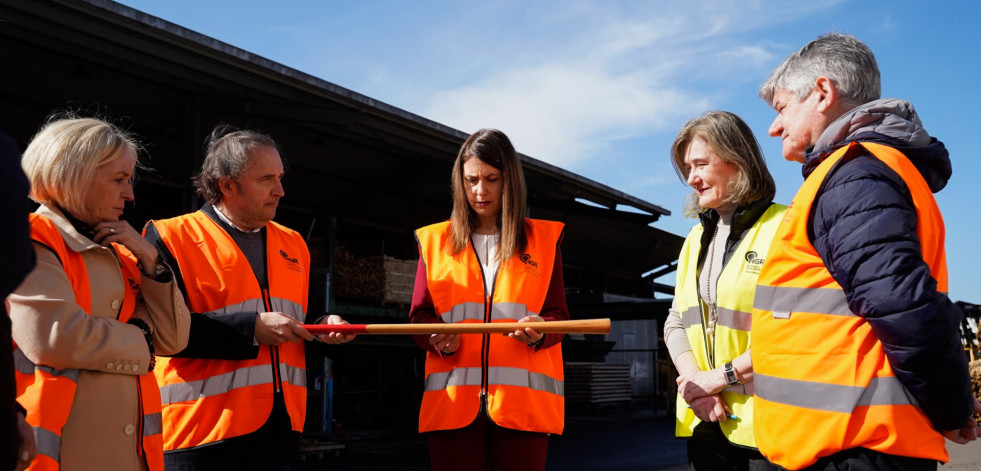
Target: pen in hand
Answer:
pixel 731 416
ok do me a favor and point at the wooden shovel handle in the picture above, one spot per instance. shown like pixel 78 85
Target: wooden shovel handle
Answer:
pixel 580 326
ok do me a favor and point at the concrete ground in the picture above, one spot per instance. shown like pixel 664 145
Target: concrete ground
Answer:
pixel 623 438
pixel 626 438
pixel 963 457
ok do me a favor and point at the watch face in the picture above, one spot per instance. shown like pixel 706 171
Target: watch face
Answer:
pixel 730 373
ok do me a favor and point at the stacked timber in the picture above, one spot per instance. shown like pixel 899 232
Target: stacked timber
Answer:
pixel 975 369
pixel 976 378
pixel 316 247
pixel 400 279
pixel 360 277
pixel 385 279
pixel 589 383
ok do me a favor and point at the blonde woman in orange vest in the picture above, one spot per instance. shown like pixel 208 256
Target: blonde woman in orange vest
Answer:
pixel 88 321
pixel 856 349
pixel 490 401
pixel 707 330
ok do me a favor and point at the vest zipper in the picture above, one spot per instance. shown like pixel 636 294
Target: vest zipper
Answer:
pixel 703 311
pixel 140 415
pixel 485 338
pixel 273 350
pixel 140 423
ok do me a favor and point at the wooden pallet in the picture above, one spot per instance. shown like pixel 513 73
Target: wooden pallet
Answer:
pixel 320 449
pixel 596 383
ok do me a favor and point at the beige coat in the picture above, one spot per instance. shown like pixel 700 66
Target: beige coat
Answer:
pixel 101 433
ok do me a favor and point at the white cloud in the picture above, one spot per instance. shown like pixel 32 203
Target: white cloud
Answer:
pixel 620 75
pixel 562 113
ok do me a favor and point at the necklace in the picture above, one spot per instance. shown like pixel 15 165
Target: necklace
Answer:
pixel 710 282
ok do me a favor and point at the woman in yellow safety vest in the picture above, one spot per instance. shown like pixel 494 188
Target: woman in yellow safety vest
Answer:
pixel 490 401
pixel 707 330
pixel 98 306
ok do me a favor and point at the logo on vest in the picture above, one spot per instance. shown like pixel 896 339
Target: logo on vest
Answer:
pixel 531 266
pixel 526 259
pixel 134 286
pixel 291 263
pixel 753 263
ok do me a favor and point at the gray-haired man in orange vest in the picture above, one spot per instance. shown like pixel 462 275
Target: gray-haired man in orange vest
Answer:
pixel 236 397
pixel 856 350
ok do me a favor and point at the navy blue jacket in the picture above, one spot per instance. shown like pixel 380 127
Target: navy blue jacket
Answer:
pixel 18 261
pixel 863 226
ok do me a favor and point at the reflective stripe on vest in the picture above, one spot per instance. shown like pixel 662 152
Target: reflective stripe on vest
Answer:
pixel 47 393
pixel 784 299
pixel 290 308
pixel 495 375
pixel 48 443
pixel 834 397
pixel 25 366
pixel 475 312
pixel 523 388
pixel 223 383
pixel 736 320
pixel 787 299
pixel 207 400
pixel 735 291
pixel 823 382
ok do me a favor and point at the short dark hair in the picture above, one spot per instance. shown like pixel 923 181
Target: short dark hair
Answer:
pixel 228 153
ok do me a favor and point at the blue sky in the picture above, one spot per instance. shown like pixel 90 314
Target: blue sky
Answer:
pixel 602 87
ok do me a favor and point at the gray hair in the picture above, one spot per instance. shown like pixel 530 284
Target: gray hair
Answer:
pixel 842 58
pixel 228 155
pixel 62 158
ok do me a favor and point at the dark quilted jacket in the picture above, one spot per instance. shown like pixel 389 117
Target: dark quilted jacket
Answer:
pixel 864 228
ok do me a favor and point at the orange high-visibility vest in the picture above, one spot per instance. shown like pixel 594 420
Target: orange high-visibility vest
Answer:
pixel 523 389
pixel 48 394
pixel 207 400
pixel 823 382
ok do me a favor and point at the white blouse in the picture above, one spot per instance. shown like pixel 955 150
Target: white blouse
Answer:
pixel 486 247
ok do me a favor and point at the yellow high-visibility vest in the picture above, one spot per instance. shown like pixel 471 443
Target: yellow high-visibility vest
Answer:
pixel 736 288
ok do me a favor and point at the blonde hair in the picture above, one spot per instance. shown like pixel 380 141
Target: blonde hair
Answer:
pixel 493 148
pixel 733 141
pixel 62 158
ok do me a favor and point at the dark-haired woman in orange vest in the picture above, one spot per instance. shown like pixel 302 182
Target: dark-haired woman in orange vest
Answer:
pixel 89 319
pixel 490 401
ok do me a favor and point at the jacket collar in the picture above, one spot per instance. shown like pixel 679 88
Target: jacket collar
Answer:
pixel 890 122
pixel 742 218
pixel 71 229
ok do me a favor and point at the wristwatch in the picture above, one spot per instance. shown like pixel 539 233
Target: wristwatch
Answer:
pixel 158 271
pixel 730 374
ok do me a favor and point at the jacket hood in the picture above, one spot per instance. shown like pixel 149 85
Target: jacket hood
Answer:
pixel 890 122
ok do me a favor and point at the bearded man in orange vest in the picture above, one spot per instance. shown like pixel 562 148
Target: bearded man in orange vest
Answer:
pixel 235 398
pixel 856 351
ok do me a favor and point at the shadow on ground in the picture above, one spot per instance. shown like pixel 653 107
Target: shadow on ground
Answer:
pixel 624 438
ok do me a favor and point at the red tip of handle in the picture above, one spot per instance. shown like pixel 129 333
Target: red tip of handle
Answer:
pixel 340 328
